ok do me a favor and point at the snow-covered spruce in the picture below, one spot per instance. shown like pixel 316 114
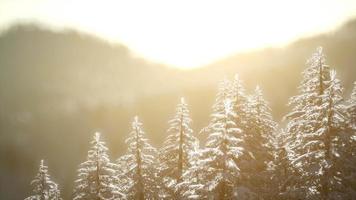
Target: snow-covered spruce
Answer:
pixel 302 126
pixel 121 171
pixel 43 187
pixel 314 126
pixel 258 143
pixel 220 171
pixel 192 184
pixel 97 176
pixel 282 171
pixel 351 109
pixel 341 176
pixel 239 99
pixel 224 92
pixel 141 165
pixel 175 155
pixel 348 149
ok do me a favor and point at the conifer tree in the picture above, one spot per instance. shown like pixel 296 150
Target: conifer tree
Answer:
pixel 43 187
pixel 342 170
pixel 224 93
pixel 282 176
pixel 121 172
pixel 192 184
pixel 332 128
pixel 141 165
pixel 97 176
pixel 352 108
pixel 314 125
pixel 218 158
pixel 175 155
pixel 259 144
pixel 239 102
pixel 302 124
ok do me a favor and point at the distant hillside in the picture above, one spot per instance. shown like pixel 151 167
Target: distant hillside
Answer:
pixel 57 88
pixel 278 70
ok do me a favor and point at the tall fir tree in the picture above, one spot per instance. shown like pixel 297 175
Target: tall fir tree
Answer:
pixel 221 151
pixel 351 109
pixel 350 171
pixel 302 125
pixel 141 165
pixel 243 108
pixel 175 155
pixel 312 126
pixel 282 171
pixel 239 99
pixel 43 187
pixel 259 144
pixel 97 176
pixel 338 144
pixel 192 184
pixel 224 93
pixel 122 166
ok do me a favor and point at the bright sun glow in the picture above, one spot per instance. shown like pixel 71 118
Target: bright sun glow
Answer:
pixel 186 33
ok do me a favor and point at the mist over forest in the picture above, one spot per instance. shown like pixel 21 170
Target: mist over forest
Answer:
pixel 59 87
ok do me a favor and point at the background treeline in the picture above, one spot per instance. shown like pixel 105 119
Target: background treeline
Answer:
pixel 244 155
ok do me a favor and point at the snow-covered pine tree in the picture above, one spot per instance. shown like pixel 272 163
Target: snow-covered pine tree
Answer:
pixel 192 184
pixel 241 107
pixel 258 144
pixel 312 128
pixel 121 171
pixel 141 165
pixel 221 151
pixel 302 125
pixel 352 108
pixel 239 102
pixel 175 155
pixel 353 93
pixel 338 145
pixel 348 154
pixel 281 169
pixel 43 187
pixel 224 92
pixel 97 176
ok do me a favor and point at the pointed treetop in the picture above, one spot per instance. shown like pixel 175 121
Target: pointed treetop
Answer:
pixel 224 83
pixel 333 74
pixel 318 57
pixel 258 89
pixel 237 90
pixel 353 94
pixel 182 100
pixel 42 167
pixel 334 85
pixel 224 87
pixel 237 80
pixel 136 122
pixel 42 163
pixel 43 186
pixel 258 95
pixel 97 136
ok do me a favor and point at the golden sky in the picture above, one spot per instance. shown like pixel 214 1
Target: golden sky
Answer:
pixel 186 33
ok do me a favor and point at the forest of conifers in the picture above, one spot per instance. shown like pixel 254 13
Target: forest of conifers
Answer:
pixel 245 154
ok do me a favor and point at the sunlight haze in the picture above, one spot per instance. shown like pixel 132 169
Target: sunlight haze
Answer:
pixel 177 99
pixel 185 34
